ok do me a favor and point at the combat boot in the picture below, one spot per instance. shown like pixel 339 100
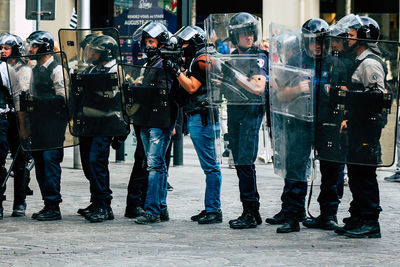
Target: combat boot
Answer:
pixel 85 211
pixel 197 217
pixel 99 213
pixel 134 212
pixel 48 213
pixel 110 213
pixel 367 228
pixel 246 220
pixel 322 222
pixel 290 225
pixel 350 223
pixel 211 217
pixel 278 218
pixel 164 215
pixel 19 210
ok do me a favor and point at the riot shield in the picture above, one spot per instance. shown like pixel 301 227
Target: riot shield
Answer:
pixel 93 93
pixel 292 91
pixel 37 84
pixel 145 95
pixel 234 89
pixel 357 108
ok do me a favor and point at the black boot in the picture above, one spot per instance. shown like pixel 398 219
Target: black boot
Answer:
pixel 85 211
pixel 290 225
pixel 1 213
pixel 350 224
pixel 19 210
pixel 367 228
pixel 99 213
pixel 197 217
pixel 278 218
pixel 48 213
pixel 211 217
pixel 257 216
pixel 133 212
pixel 164 215
pixel 322 222
pixel 110 213
pixel 246 220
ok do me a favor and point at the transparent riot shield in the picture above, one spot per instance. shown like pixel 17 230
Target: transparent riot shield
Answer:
pixel 93 92
pixel 145 95
pixel 357 108
pixel 292 90
pixel 236 87
pixel 37 84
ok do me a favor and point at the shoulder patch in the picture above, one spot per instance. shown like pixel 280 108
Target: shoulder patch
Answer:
pixel 260 62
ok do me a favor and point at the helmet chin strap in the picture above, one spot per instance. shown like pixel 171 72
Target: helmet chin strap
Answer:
pixel 244 49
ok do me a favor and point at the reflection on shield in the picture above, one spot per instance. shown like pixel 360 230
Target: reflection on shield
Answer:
pixel 292 90
pixel 232 94
pixel 37 84
pixel 356 124
pixel 93 92
pixel 145 95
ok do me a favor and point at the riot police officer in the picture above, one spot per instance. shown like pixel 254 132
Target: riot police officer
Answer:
pixel 368 75
pixel 202 122
pixel 4 108
pixel 49 89
pixel 298 153
pixel 244 121
pixel 12 45
pixel 156 124
pixel 332 74
pixel 101 53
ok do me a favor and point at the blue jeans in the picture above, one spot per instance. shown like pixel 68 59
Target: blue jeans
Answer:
pixel 94 157
pixel 155 142
pixel 203 141
pixel 48 174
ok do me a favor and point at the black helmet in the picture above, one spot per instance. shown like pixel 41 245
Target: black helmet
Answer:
pixel 88 38
pixel 106 46
pixel 369 29
pixel 194 35
pixel 242 22
pixel 313 30
pixel 44 40
pixel 15 42
pixel 155 30
pixel 315 26
pixel 366 27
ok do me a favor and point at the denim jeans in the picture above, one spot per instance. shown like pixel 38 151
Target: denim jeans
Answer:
pixel 155 142
pixel 48 174
pixel 203 141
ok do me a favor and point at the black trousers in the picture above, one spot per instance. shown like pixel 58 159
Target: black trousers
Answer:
pixel 137 187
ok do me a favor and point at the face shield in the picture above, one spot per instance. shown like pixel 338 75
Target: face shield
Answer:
pixel 92 54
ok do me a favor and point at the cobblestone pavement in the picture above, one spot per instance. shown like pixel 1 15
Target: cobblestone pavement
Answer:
pixel 180 242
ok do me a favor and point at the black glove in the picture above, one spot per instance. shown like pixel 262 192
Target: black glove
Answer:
pixel 117 141
pixel 172 67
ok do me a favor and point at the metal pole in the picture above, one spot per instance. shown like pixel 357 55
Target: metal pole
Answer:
pixel 178 152
pixel 348 7
pixel 83 14
pixel 38 9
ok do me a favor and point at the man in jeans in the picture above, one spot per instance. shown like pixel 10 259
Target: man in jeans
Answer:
pixel 156 122
pixel 201 124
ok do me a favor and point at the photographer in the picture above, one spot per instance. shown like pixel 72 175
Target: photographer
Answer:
pixel 201 124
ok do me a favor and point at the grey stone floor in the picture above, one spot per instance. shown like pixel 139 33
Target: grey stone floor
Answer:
pixel 180 242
